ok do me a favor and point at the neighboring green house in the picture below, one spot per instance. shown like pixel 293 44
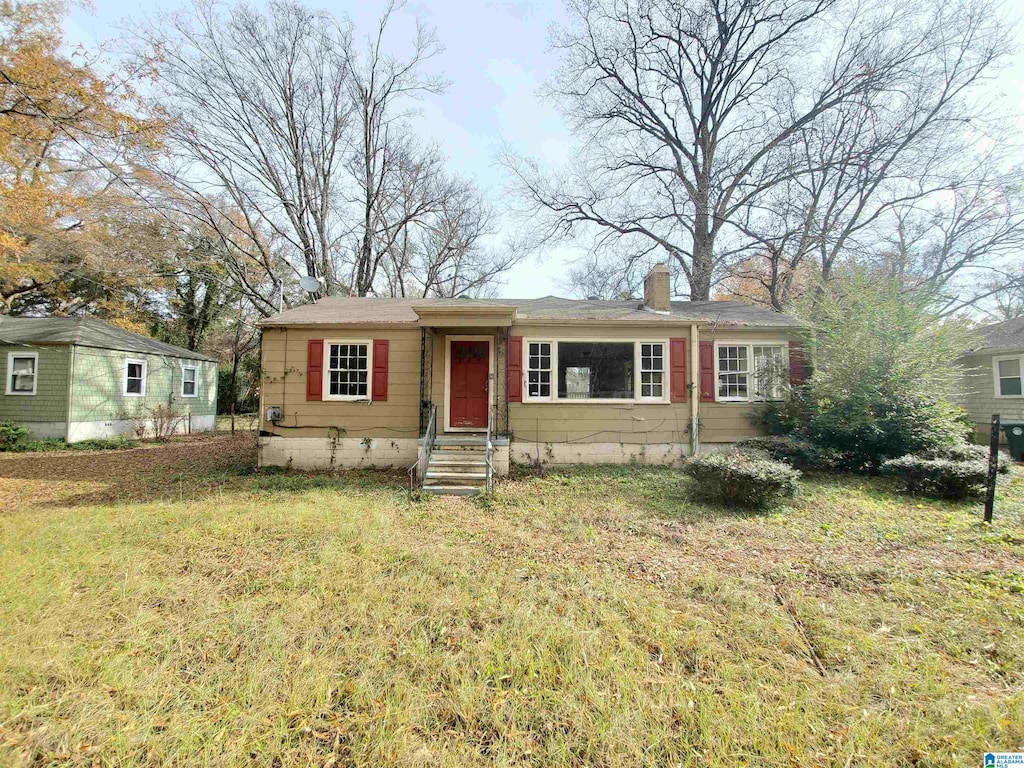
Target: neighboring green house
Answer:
pixel 77 378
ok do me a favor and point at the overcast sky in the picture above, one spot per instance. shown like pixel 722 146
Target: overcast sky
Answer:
pixel 496 59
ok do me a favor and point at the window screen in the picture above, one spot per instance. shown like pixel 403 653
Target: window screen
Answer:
pixel 595 370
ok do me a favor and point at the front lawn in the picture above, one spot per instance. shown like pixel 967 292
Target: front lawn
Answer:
pixel 172 606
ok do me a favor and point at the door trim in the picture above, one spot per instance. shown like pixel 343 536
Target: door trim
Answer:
pixel 491 398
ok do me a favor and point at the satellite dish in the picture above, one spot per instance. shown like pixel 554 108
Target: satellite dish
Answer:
pixel 310 284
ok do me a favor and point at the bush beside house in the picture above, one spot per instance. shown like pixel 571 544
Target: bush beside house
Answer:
pixel 741 478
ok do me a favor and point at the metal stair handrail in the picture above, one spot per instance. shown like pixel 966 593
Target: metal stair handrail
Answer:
pixel 487 454
pixel 419 467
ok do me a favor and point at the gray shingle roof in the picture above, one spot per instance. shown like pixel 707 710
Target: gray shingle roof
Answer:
pixel 86 332
pixel 1008 335
pixel 553 309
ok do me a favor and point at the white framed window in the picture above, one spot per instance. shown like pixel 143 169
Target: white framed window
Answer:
pixel 748 372
pixel 135 378
pixel 769 372
pixel 22 373
pixel 347 367
pixel 594 370
pixel 652 371
pixel 538 370
pixel 189 380
pixel 1008 373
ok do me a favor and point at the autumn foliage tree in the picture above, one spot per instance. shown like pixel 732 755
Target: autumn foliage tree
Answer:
pixel 73 234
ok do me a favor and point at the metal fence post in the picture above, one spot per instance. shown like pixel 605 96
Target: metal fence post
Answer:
pixel 993 469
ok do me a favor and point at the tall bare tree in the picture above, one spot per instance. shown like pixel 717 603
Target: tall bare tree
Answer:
pixel 692 113
pixel 258 114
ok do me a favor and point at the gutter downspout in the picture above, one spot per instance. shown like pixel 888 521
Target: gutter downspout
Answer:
pixel 694 389
pixel 71 395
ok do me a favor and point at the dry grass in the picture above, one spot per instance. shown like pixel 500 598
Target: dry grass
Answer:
pixel 176 608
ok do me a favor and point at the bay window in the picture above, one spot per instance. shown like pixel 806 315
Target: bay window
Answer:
pixel 749 372
pixel 587 371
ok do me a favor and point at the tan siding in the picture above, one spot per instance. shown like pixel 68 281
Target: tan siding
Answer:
pixel 284 385
pixel 284 361
pixel 633 422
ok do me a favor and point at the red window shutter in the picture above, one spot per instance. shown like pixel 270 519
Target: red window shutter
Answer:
pixel 515 369
pixel 315 369
pixel 379 391
pixel 677 370
pixel 797 364
pixel 707 371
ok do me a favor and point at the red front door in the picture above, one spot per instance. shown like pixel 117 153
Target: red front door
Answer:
pixel 470 368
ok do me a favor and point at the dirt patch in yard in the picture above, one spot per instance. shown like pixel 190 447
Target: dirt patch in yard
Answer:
pixel 155 470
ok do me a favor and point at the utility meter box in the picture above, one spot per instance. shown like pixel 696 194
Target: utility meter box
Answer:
pixel 274 413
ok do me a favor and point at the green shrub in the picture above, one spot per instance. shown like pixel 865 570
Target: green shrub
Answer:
pixel 796 451
pixel 938 477
pixel 741 478
pixel 57 444
pixel 12 435
pixel 885 375
pixel 117 443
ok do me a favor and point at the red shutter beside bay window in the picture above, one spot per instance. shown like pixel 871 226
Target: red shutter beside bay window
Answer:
pixel 315 369
pixel 515 369
pixel 677 370
pixel 797 364
pixel 379 390
pixel 707 371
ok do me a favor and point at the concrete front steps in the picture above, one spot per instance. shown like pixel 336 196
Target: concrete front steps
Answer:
pixel 457 466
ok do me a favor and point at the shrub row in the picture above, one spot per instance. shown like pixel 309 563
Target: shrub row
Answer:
pixel 14 439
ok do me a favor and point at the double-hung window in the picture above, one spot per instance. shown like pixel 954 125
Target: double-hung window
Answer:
pixel 21 373
pixel 588 371
pixel 1008 371
pixel 652 371
pixel 538 370
pixel 135 378
pixel 347 370
pixel 189 381
pixel 749 372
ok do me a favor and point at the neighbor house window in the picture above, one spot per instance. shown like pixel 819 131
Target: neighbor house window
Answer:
pixel 347 370
pixel 189 381
pixel 135 378
pixel 538 369
pixel 652 371
pixel 21 373
pixel 751 372
pixel 1008 377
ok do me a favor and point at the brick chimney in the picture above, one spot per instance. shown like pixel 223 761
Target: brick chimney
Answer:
pixel 656 289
